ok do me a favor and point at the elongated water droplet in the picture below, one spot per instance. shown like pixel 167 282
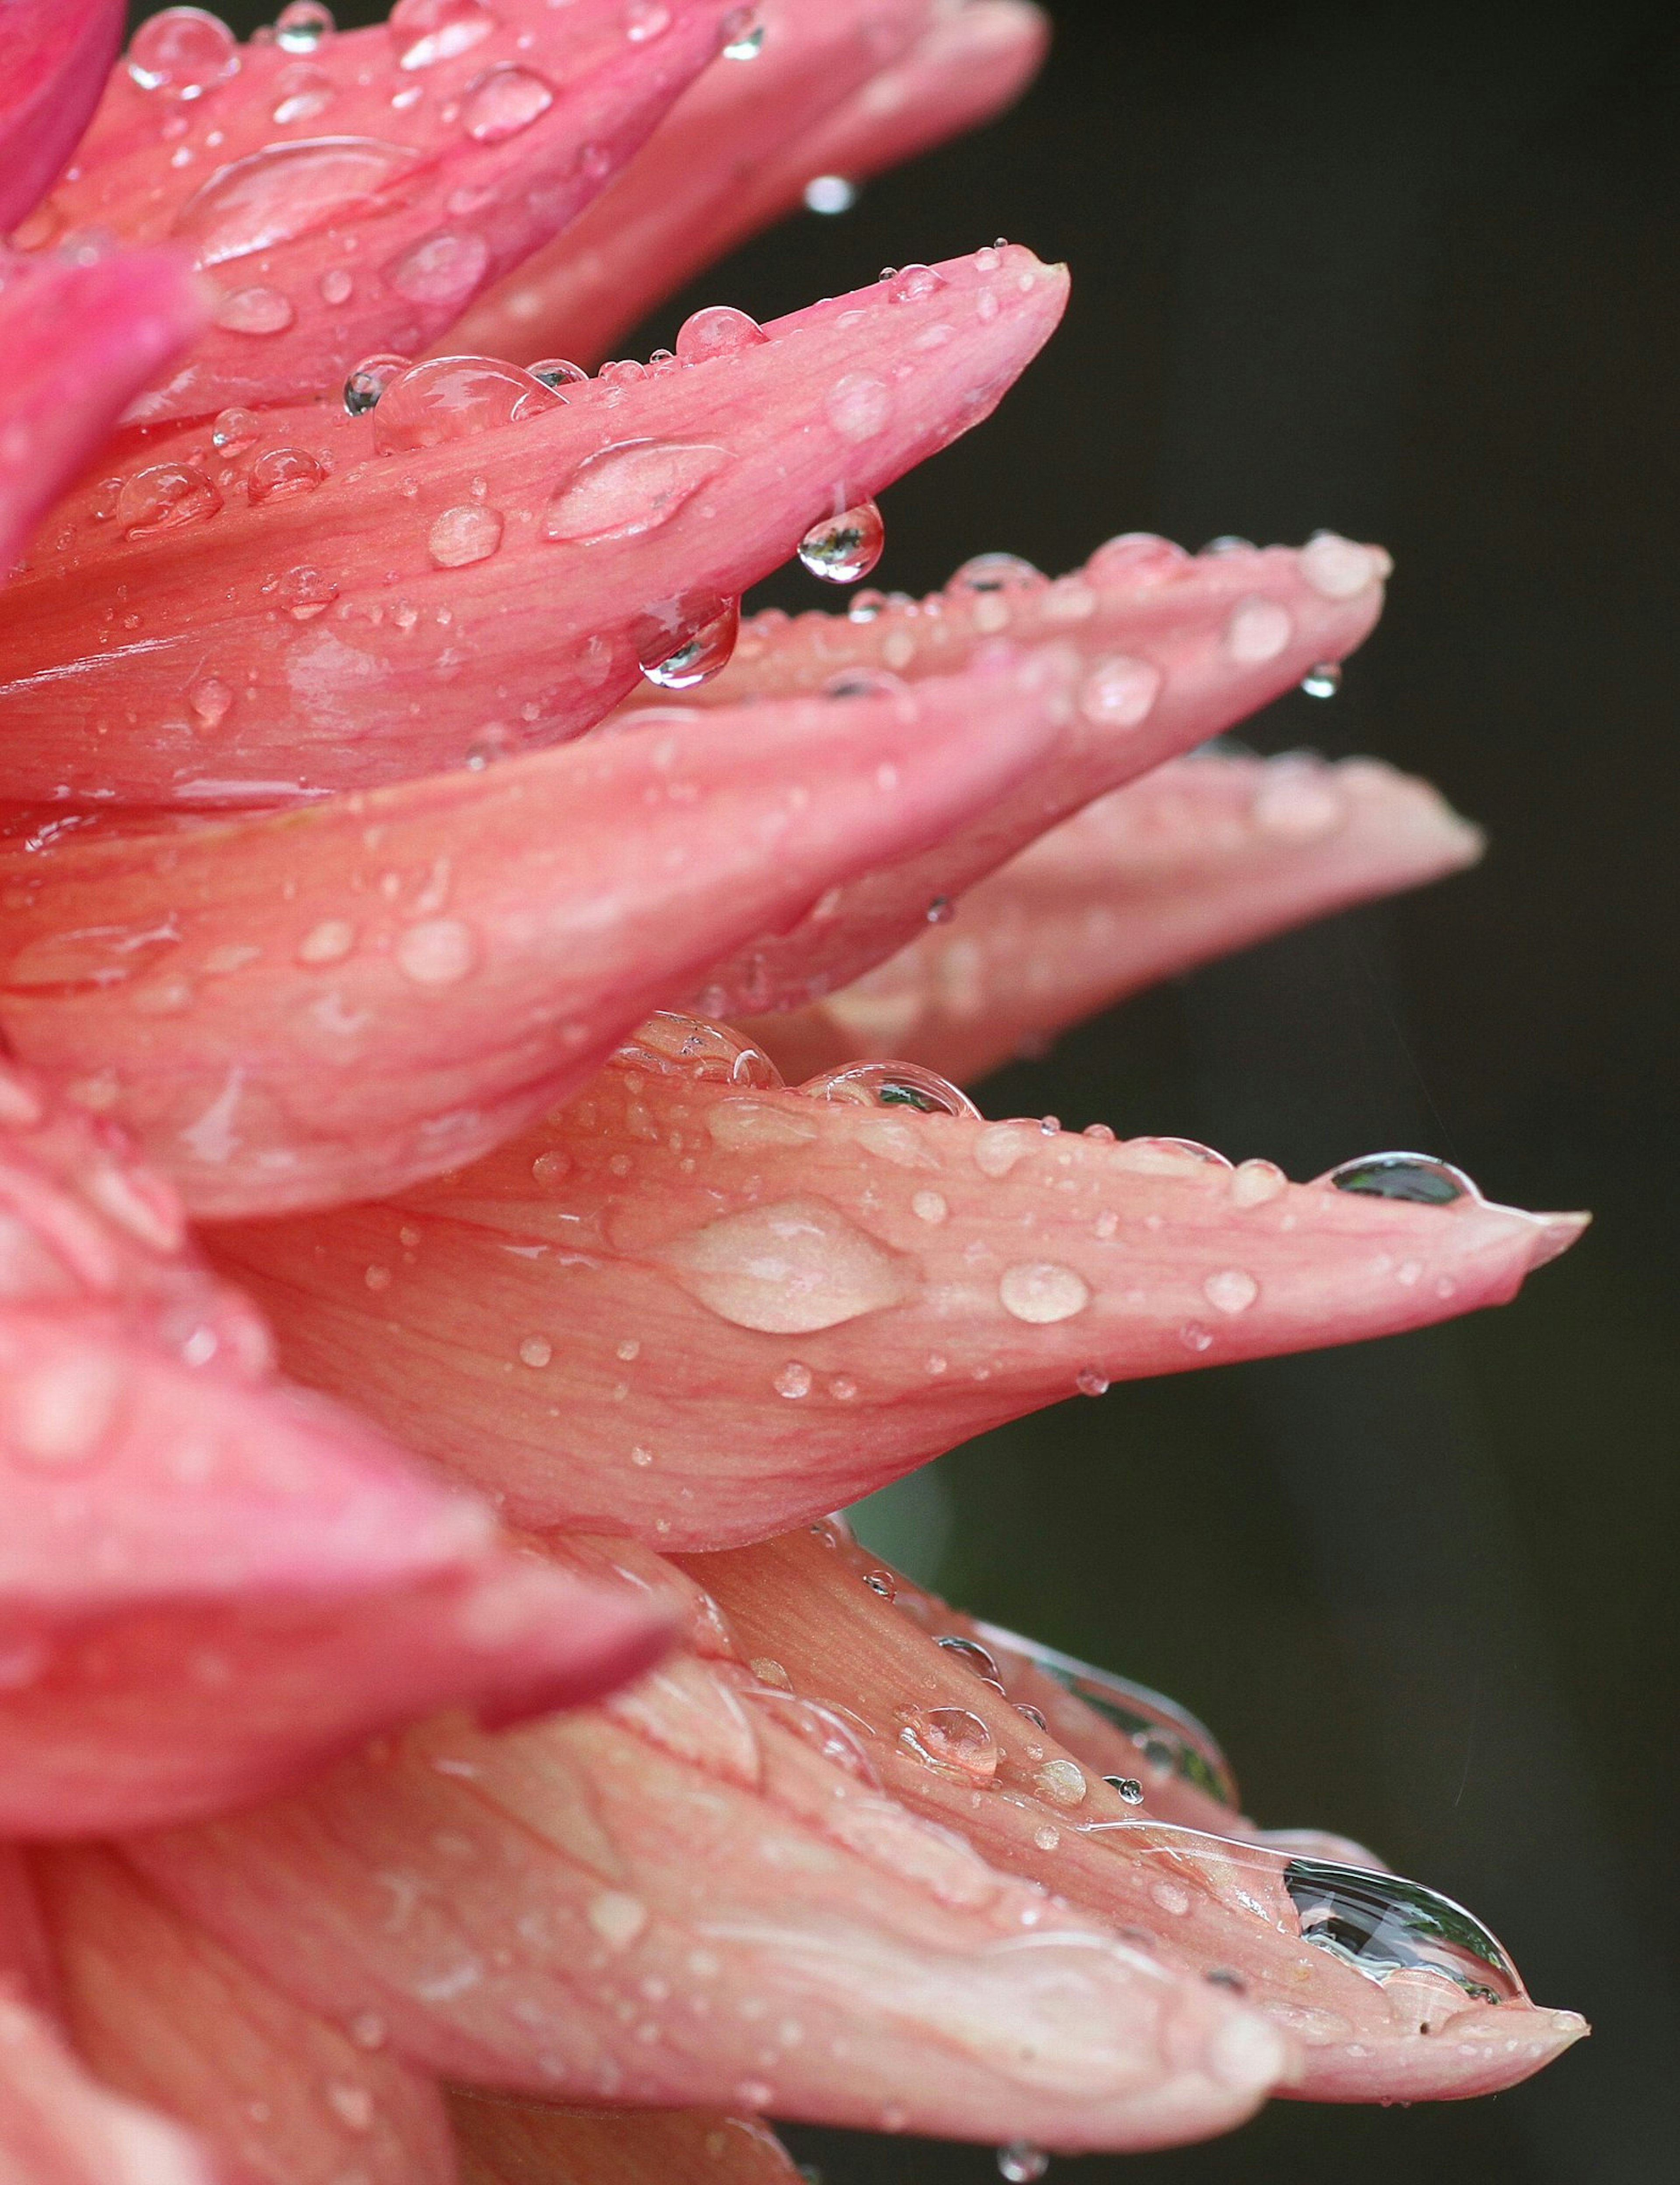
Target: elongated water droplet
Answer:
pixel 845 548
pixel 790 1268
pixel 1382 1925
pixel 282 472
pixel 184 52
pixel 890 1085
pixel 951 1738
pixel 705 652
pixel 633 487
pixel 1418 1178
pixel 300 93
pixel 973 1655
pixel 284 191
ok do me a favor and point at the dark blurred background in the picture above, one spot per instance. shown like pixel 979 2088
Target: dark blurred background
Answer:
pixel 1409 272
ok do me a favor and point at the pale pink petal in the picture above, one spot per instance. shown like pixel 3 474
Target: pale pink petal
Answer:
pixel 329 1004
pixel 739 147
pixel 698 1307
pixel 1204 856
pixel 1407 2020
pixel 59 2126
pixel 357 197
pixel 78 334
pixel 167 2017
pixel 54 56
pixel 484 586
pixel 503 2142
pixel 1169 650
pixel 700 1896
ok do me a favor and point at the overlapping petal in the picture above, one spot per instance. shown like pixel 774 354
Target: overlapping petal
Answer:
pixel 504 2142
pixel 1389 1991
pixel 1204 856
pixel 59 2126
pixel 329 1004
pixel 488 585
pixel 53 57
pixel 849 88
pixel 699 1308
pixel 697 1895
pixel 353 192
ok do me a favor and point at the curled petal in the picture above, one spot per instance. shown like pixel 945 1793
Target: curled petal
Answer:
pixel 331 1003
pixel 493 583
pixel 59 2126
pixel 356 198
pixel 1400 1996
pixel 503 2142
pixel 1204 856
pixel 80 335
pixel 698 1307
pixel 1169 651
pixel 53 57
pixel 682 204
pixel 168 2017
pixel 689 1899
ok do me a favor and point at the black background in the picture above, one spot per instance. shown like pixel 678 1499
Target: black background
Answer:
pixel 1409 272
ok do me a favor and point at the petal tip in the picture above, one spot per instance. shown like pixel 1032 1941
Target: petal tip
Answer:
pixel 1554 1234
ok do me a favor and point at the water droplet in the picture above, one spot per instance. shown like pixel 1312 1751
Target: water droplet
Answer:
pixel 444 269
pixel 930 1206
pixel 882 1583
pixel 1256 1181
pixel 951 1738
pixel 1419 1177
pixel 1323 680
pixel 61 1411
pixel 1256 630
pixel 460 536
pixel 306 592
pixel 1000 1146
pixel 336 286
pixel 285 191
pixel 536 1351
pixel 718 331
pixel 368 381
pixel 1021 2162
pixel 282 472
pixel 1232 1290
pixel 865 683
pixel 427 32
pixel 973 1655
pixel 986 573
pixel 794 1381
pixel 257 310
pixel 630 488
pixel 844 548
pixel 353 2106
pixel 163 498
pixel 680 1046
pixel 455 398
pixel 1126 1788
pixel 617 1918
pixel 210 698
pixel 303 26
pixel 1228 542
pixel 328 943
pixel 551 1167
pixel 503 102
pixel 1041 1292
pixel 1133 555
pixel 438 952
pixel 1339 568
pixel 1382 1925
pixel 234 431
pixel 1062 1781
pixel 300 93
pixel 183 52
pixel 789 1268
pixel 1090 1383
pixel 829 194
pixel 1120 692
pixel 890 1085
pixel 915 284
pixel 556 371
pixel 705 652
pixel 859 407
pixel 743 35
pixel 645 21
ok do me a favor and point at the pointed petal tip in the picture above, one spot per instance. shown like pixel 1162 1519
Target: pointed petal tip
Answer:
pixel 1556 1233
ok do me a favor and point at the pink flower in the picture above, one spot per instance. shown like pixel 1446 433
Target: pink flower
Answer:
pixel 387 775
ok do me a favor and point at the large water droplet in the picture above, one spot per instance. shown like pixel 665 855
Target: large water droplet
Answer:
pixel 163 498
pixel 890 1085
pixel 843 549
pixel 679 1046
pixel 284 191
pixel 705 652
pixel 455 398
pixel 720 330
pixel 630 488
pixel 996 573
pixel 951 1738
pixel 790 1268
pixel 1418 1178
pixel 1382 1925
pixel 302 25
pixel 427 32
pixel 367 384
pixel 184 52
pixel 1041 1292
pixel 443 269
pixel 503 102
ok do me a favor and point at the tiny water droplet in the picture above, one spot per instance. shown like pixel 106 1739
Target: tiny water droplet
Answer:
pixel 1256 630
pixel 234 431
pixel 986 573
pixel 1418 1178
pixel 370 379
pixel 794 1381
pixel 1041 1292
pixel 1127 1788
pixel 1232 1290
pixel 535 1351
pixel 438 952
pixel 880 1582
pixel 829 194
pixel 915 284
pixel 301 94
pixel 556 371
pixel 1229 543
pixel 1090 1382
pixel 645 21
pixel 303 26
pixel 306 592
pixel 843 549
pixel 1120 692
pixel 551 1167
pixel 336 286
pixel 973 1655
pixel 1323 680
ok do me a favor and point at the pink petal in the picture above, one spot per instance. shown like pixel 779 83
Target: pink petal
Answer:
pixel 331 1003
pixel 820 1618
pixel 698 1308
pixel 358 199
pixel 1200 857
pixel 1170 650
pixel 80 335
pixel 167 2017
pixel 59 2126
pixel 27 1973
pixel 54 56
pixel 482 595
pixel 687 1899
pixel 718 167
pixel 503 2142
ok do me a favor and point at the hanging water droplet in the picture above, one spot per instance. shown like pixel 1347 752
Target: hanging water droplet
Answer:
pixel 699 656
pixel 1418 1178
pixel 743 35
pixel 829 194
pixel 951 1738
pixel 1021 2162
pixel 1126 1788
pixel 285 191
pixel 370 379
pixel 890 1085
pixel 281 472
pixel 557 371
pixel 257 310
pixel 1041 1292
pixel 427 32
pixel 633 487
pixel 503 102
pixel 1229 543
pixel 163 498
pixel 183 52
pixel 1090 1383
pixel 790 1268
pixel 1324 680
pixel 303 26
pixel 844 548
pixel 680 1046
pixel 1382 1925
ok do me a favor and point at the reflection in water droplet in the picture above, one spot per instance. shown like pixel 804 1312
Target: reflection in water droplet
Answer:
pixel 633 487
pixel 881 1582
pixel 679 1046
pixel 300 93
pixel 1127 1788
pixel 558 371
pixel 915 284
pixel 844 548
pixel 974 1656
pixel 536 1351
pixel 184 52
pixel 1021 2162
pixel 463 535
pixel 163 498
pixel 794 1380
pixel 285 191
pixel 1324 680
pixel 1382 1924
pixel 743 35
pixel 790 1268
pixel 302 25
pixel 503 102
pixel 427 32
pixel 1228 542
pixel 645 21
pixel 1418 1178
pixel 890 1085
pixel 370 379
pixel 699 656
pixel 829 194
pixel 951 1738
pixel 1041 1292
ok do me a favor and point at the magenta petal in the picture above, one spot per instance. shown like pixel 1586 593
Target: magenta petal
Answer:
pixel 53 57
